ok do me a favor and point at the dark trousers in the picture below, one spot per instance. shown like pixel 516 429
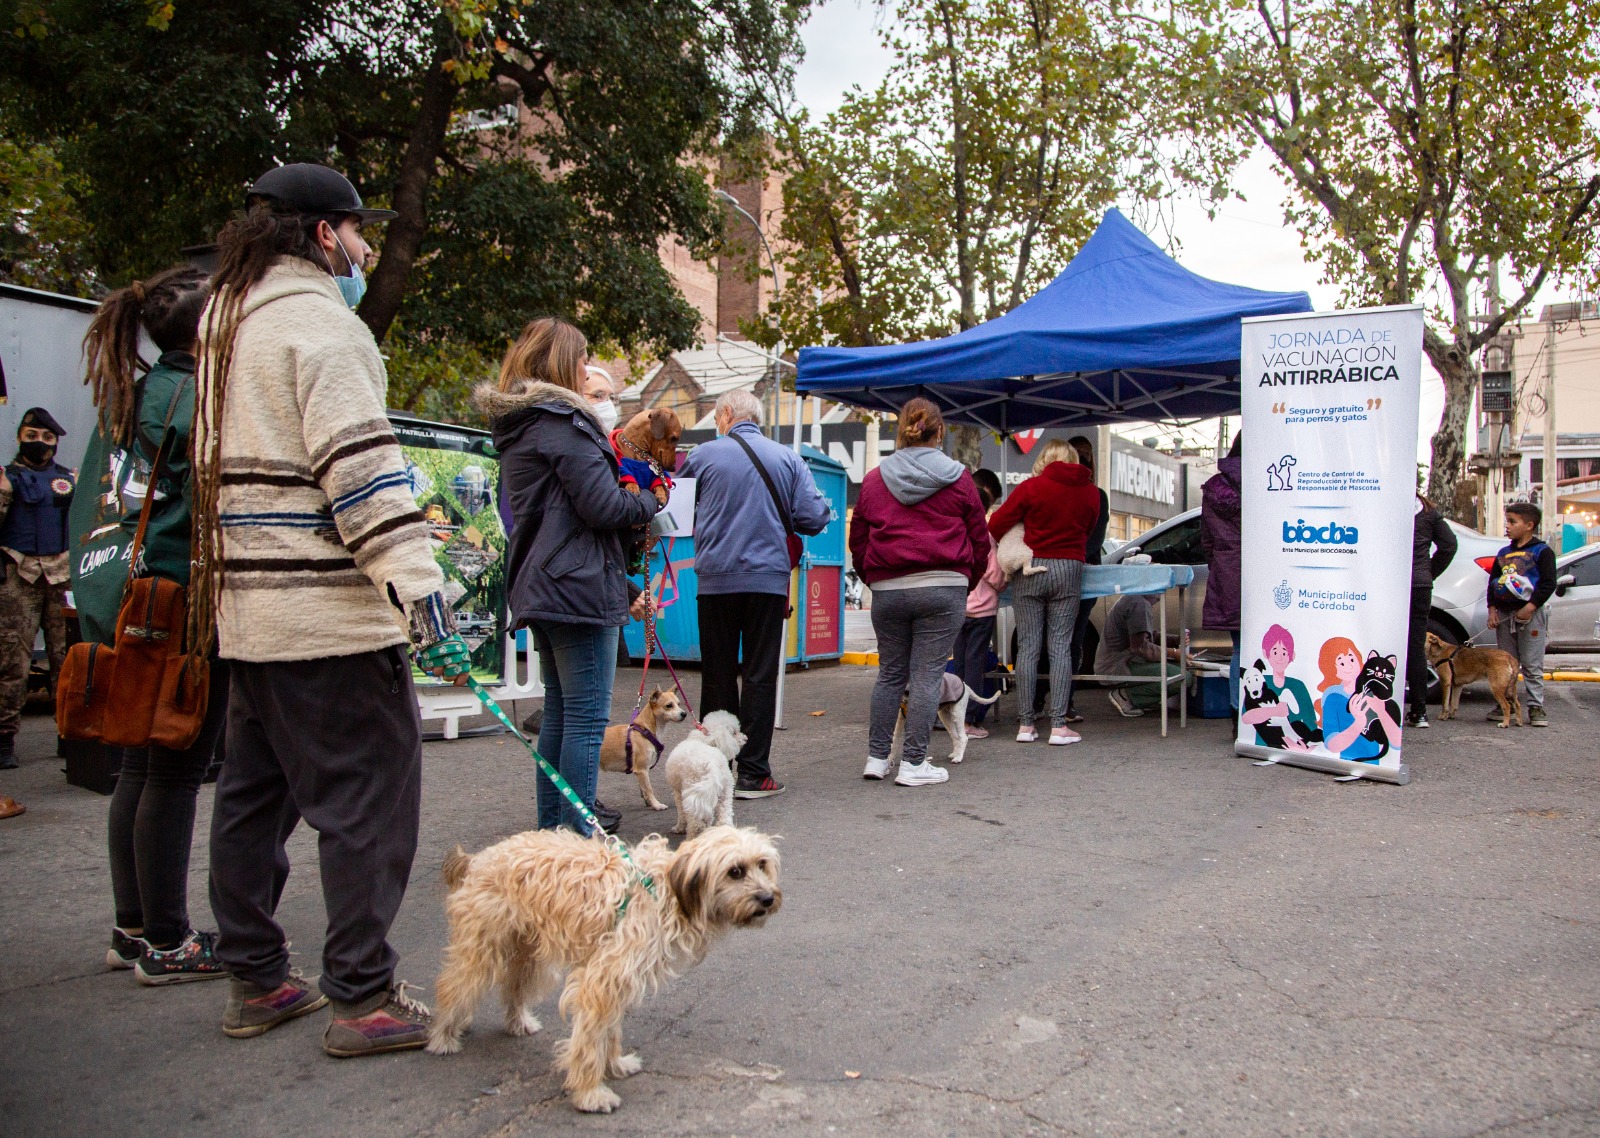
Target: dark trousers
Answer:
pixel 1079 628
pixel 753 621
pixel 1416 650
pixel 151 826
pixel 337 742
pixel 972 661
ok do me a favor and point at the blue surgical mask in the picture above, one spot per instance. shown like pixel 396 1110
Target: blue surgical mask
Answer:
pixel 354 286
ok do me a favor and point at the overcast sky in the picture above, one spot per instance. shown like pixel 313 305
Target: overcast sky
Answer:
pixel 1246 244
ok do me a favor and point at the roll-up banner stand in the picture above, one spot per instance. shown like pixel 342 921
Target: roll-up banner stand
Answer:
pixel 1329 492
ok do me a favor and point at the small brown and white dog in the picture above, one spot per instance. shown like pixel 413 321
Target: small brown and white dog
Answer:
pixel 661 707
pixel 545 903
pixel 1013 556
pixel 954 695
pixel 1460 665
pixel 700 772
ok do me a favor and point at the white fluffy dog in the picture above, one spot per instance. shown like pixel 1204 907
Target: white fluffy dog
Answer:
pixel 700 773
pixel 544 903
pixel 1012 554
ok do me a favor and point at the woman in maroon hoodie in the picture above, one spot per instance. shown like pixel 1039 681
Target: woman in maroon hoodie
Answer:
pixel 1057 507
pixel 918 540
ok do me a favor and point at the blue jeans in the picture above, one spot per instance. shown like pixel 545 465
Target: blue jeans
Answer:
pixel 577 663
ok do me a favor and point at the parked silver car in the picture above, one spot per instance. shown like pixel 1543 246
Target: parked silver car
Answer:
pixel 1575 608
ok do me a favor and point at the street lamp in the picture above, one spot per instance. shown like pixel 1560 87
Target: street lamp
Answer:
pixel 777 351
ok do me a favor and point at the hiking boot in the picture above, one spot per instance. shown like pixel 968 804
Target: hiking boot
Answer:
pixel 610 820
pixel 387 1021
pixel 876 769
pixel 195 958
pixel 920 774
pixel 254 1010
pixel 125 949
pixel 1537 717
pixel 757 788
pixel 1119 700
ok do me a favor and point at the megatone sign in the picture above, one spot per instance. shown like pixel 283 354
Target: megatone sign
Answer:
pixel 1141 479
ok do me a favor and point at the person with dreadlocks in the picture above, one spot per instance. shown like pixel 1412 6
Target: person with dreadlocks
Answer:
pixel 313 562
pixel 151 824
pixel 35 493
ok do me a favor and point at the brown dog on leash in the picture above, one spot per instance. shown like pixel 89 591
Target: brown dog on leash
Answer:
pixel 1460 665
pixel 631 748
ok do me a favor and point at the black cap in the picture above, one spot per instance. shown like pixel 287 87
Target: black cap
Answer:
pixel 39 417
pixel 309 188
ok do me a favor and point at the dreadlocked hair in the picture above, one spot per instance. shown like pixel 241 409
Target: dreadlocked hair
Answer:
pixel 168 307
pixel 247 247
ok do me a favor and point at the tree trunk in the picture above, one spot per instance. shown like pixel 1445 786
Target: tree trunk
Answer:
pixel 1460 374
pixel 403 239
pixel 966 445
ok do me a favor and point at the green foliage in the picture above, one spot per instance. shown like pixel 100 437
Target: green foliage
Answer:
pixel 42 233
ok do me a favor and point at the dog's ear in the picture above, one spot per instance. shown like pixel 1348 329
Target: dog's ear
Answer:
pixel 1259 665
pixel 687 879
pixel 662 420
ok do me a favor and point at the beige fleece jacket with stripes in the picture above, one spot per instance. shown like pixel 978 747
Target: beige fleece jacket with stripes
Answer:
pixel 319 525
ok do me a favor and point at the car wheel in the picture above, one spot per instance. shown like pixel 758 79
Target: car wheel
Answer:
pixel 1448 635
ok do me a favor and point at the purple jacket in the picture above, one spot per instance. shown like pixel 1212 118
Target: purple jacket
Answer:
pixel 1219 537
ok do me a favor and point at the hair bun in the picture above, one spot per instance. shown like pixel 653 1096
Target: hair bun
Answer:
pixel 137 289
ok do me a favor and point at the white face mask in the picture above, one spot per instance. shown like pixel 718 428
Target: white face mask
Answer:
pixel 606 411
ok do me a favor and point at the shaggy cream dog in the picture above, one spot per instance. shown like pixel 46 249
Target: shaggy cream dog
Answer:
pixel 700 774
pixel 1012 554
pixel 544 903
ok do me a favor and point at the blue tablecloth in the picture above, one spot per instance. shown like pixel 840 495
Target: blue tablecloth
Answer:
pixel 1118 580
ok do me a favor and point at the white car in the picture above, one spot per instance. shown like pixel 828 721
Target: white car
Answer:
pixel 1575 609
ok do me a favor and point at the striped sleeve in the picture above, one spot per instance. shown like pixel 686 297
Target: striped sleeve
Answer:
pixel 358 463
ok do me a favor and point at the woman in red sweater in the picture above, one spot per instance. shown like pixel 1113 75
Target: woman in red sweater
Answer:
pixel 918 540
pixel 1057 508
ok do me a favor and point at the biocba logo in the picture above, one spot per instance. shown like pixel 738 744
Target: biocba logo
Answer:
pixel 1298 533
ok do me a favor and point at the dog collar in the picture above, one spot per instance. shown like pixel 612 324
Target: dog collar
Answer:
pixel 627 746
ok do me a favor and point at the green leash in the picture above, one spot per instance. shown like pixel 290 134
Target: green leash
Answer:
pixel 568 793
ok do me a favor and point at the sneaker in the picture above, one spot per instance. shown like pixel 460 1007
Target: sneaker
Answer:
pixel 388 1021
pixel 1026 734
pixel 125 949
pixel 757 788
pixel 920 774
pixel 976 732
pixel 876 768
pixel 1537 717
pixel 194 959
pixel 254 1010
pixel 1119 700
pixel 1074 715
pixel 1419 720
pixel 610 820
pixel 1062 736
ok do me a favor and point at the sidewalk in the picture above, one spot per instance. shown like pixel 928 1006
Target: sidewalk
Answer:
pixel 1123 937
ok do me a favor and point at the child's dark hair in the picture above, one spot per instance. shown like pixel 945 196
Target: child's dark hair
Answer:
pixel 988 483
pixel 168 307
pixel 1526 510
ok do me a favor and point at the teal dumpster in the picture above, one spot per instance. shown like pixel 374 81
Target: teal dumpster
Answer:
pixel 816 588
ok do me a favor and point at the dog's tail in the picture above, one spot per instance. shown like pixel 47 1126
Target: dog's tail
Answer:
pixel 976 698
pixel 456 865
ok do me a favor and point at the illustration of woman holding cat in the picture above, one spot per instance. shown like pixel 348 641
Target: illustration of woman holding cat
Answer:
pixel 1345 711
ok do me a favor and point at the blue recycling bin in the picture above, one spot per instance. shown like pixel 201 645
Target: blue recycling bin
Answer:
pixel 816 588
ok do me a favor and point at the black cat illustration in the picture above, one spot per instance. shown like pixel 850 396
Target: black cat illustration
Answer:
pixel 1376 682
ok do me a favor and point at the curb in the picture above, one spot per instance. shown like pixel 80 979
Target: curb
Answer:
pixel 869 659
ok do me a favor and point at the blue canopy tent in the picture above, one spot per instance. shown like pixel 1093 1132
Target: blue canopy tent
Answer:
pixel 1125 333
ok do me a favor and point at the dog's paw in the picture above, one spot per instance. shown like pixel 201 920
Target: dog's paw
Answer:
pixel 956 758
pixel 598 1100
pixel 680 828
pixel 443 1043
pixel 522 1022
pixel 624 1065
pixel 658 805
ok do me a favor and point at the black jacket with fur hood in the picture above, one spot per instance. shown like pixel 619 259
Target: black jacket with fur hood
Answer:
pixel 569 516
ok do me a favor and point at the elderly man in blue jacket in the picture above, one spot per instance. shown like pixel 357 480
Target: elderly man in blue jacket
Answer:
pixel 750 495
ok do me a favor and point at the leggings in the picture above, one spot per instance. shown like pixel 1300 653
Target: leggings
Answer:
pixel 151 826
pixel 1046 604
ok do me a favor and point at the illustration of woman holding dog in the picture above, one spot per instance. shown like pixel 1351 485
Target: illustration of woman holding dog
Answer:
pixel 1291 700
pixel 1344 710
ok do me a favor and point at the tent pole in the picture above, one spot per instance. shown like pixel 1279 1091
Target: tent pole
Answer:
pixel 1005 455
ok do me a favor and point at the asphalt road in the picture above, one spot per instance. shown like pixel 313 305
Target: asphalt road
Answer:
pixel 1130 936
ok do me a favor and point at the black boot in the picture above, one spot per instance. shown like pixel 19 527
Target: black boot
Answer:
pixel 608 818
pixel 8 752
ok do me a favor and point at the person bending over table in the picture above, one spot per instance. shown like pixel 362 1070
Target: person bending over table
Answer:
pixel 1128 648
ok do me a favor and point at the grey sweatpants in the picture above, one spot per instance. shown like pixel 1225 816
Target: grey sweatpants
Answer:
pixel 1046 604
pixel 337 742
pixel 916 629
pixel 1526 643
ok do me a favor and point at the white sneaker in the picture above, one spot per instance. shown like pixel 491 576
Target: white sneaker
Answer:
pixel 920 774
pixel 1062 736
pixel 876 768
pixel 1119 700
pixel 1026 735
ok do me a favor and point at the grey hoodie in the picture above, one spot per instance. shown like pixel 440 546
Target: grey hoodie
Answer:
pixel 916 474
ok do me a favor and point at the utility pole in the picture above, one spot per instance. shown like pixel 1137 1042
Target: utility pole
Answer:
pixel 1549 499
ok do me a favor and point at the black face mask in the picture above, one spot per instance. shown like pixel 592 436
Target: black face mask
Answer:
pixel 35 452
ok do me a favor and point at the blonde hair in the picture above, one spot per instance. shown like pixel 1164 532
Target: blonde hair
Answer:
pixel 549 350
pixel 921 425
pixel 1055 450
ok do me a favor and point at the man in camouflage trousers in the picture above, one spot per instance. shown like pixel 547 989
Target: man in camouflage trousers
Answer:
pixel 35 492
